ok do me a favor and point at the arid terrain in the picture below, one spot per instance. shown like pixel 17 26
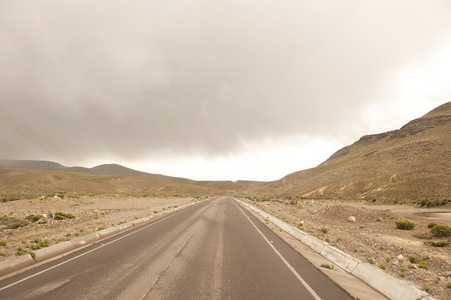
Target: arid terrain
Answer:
pixel 90 214
pixel 373 236
pixel 381 179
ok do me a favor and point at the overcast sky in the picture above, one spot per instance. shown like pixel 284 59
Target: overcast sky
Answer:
pixel 224 89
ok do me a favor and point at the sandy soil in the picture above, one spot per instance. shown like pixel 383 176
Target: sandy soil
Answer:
pixel 374 237
pixel 91 214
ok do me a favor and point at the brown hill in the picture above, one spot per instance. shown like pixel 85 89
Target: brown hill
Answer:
pixel 106 169
pixel 223 187
pixel 21 183
pixel 411 163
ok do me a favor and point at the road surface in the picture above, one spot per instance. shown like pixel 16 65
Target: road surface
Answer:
pixel 212 250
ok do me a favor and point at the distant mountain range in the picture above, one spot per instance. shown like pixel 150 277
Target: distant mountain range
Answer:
pixel 413 162
pixel 115 169
pixel 106 169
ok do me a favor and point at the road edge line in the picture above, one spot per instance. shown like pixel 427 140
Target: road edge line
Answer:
pixel 9 267
pixel 386 284
pixel 305 284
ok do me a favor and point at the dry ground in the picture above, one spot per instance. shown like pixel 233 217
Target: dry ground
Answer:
pixel 91 214
pixel 374 238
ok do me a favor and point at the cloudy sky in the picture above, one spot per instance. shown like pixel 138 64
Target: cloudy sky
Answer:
pixel 224 89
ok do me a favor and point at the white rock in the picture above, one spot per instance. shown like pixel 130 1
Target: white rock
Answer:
pixel 352 219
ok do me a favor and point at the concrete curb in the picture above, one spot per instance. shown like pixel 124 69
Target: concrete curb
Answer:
pixel 54 250
pixel 386 284
pixel 108 232
pixel 43 254
pixel 87 239
pixel 14 265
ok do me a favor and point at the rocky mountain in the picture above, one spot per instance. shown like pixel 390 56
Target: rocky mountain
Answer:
pixel 413 162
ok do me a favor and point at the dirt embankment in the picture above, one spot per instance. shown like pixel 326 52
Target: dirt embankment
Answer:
pixel 373 236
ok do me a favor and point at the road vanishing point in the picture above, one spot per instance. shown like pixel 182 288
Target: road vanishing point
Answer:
pixel 213 250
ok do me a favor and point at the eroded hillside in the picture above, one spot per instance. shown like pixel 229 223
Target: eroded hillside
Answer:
pixel 411 163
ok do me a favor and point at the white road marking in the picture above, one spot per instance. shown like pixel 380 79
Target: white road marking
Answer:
pixel 312 292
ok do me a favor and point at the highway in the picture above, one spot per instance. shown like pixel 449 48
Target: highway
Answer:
pixel 213 250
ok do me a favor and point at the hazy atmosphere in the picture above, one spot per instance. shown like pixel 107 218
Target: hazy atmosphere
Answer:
pixel 214 89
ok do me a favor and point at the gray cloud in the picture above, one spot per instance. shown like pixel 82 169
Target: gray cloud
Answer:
pixel 133 78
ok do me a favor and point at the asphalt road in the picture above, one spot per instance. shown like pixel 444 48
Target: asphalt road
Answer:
pixel 213 250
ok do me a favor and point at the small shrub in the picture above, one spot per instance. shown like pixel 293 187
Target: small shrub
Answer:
pixel 34 218
pixel 35 246
pixel 2 252
pixel 61 216
pixel 402 274
pixel 324 230
pixel 441 231
pixel 327 266
pixel 430 225
pixel 413 259
pixel 17 224
pixel 371 261
pixel 155 211
pixel 44 243
pixel 20 251
pixel 438 244
pixel 448 285
pixel 3 242
pixel 405 225
pixel 382 266
pixel 423 265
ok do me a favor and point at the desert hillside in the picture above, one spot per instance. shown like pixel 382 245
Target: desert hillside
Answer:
pixel 411 163
pixel 220 187
pixel 18 184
